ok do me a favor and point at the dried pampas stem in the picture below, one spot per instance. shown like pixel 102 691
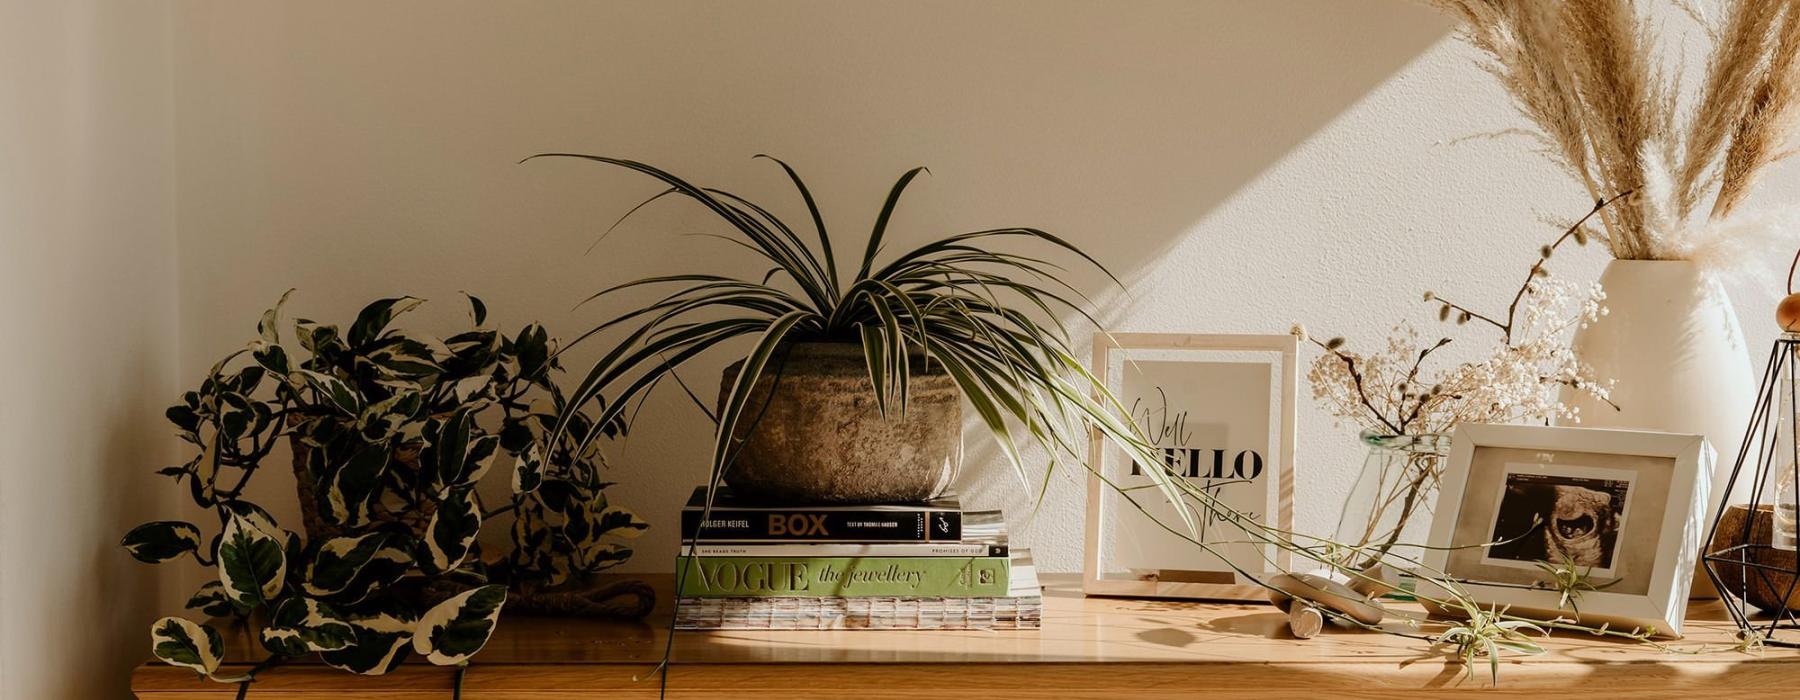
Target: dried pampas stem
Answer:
pixel 1587 75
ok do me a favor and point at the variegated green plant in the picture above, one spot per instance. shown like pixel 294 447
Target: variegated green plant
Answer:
pixel 392 431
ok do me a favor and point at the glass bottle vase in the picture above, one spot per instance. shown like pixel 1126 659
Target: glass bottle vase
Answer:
pixel 1387 515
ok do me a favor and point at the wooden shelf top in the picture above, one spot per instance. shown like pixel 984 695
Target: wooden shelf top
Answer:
pixel 1088 647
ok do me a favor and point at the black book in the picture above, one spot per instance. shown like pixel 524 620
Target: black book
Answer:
pixel 735 520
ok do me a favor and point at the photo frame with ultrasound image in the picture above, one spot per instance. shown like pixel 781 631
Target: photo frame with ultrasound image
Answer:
pixel 1220 408
pixel 1626 507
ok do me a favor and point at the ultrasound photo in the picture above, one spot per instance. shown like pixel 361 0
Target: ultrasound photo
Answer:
pixel 1557 518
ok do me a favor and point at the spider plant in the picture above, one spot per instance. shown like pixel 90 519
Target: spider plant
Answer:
pixel 1488 633
pixel 956 301
pixel 1570 581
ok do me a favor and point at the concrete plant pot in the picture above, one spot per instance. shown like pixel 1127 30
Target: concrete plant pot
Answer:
pixel 811 431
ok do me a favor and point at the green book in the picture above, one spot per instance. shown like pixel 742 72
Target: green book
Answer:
pixel 850 577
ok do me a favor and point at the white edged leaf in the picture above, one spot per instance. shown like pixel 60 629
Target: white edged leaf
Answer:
pixel 381 642
pixel 619 522
pixel 352 488
pixel 458 628
pixel 211 600
pixel 451 534
pixel 348 569
pixel 252 563
pixel 299 625
pixel 528 469
pixel 265 328
pixel 161 540
pixel 375 317
pixel 338 393
pixel 188 644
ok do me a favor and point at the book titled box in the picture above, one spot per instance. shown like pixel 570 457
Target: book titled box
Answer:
pixel 714 577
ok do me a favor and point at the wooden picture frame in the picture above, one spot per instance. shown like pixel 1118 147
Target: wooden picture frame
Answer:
pixel 1128 554
pixel 1635 502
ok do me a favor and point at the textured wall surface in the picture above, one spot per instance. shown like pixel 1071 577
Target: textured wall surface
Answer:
pixel 88 355
pixel 1243 166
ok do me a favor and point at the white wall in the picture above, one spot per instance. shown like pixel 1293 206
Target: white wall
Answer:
pixel 87 359
pixel 1243 165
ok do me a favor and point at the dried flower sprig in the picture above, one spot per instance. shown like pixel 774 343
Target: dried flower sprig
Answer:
pixel 1385 393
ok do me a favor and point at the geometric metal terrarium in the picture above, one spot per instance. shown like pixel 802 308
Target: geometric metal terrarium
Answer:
pixel 1750 554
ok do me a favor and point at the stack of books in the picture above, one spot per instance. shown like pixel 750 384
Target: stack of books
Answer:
pixel 916 566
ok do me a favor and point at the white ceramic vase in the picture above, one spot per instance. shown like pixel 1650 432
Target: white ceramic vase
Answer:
pixel 1672 345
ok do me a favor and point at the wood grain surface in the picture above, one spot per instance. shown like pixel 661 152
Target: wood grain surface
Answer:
pixel 1088 648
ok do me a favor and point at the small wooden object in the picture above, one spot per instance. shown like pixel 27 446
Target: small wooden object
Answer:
pixel 1305 621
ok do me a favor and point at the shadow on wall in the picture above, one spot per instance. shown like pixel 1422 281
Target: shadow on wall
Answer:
pixel 339 160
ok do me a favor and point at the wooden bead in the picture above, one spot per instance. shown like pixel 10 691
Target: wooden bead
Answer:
pixel 1787 313
pixel 1305 621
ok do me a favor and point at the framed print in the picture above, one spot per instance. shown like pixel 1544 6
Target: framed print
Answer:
pixel 1625 507
pixel 1220 409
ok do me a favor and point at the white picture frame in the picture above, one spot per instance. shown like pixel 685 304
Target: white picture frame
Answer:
pixel 1631 505
pixel 1246 398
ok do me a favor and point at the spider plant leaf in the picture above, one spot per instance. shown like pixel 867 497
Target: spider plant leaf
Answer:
pixel 665 355
pixel 749 226
pixel 875 357
pixel 812 208
pixel 621 220
pixel 881 221
pixel 741 387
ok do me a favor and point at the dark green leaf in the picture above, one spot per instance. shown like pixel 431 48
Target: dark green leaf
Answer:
pixel 348 570
pixel 381 643
pixel 162 540
pixel 211 600
pixel 351 490
pixel 252 563
pixel 265 328
pixel 375 317
pixel 300 625
pixel 458 628
pixel 450 536
pixel 187 644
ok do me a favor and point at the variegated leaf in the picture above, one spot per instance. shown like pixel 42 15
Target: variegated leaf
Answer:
pixel 351 489
pixel 619 522
pixel 451 534
pixel 188 644
pixel 252 563
pixel 477 309
pixel 458 628
pixel 258 518
pixel 265 328
pixel 375 317
pixel 383 419
pixel 408 358
pixel 450 446
pixel 162 540
pixel 480 458
pixel 381 643
pixel 338 393
pixel 299 625
pixel 532 346
pixel 211 600
pixel 348 569
pixel 528 470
